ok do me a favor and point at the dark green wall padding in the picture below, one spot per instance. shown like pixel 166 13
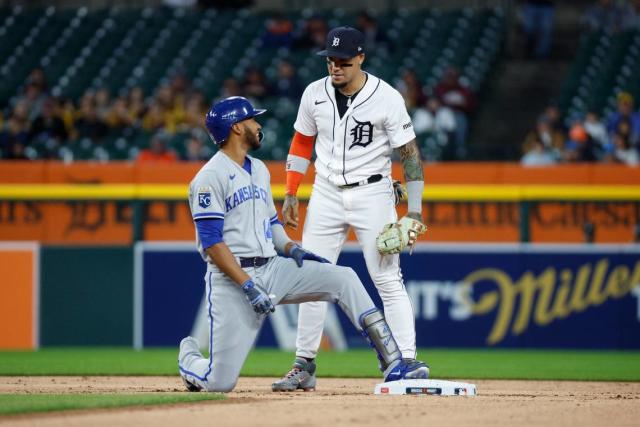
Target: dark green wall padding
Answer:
pixel 86 296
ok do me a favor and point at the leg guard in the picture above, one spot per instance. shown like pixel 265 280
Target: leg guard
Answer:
pixel 377 332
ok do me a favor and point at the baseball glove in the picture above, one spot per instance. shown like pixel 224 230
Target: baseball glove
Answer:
pixel 395 237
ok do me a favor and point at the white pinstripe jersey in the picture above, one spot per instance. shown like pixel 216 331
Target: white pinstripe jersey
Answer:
pixel 223 189
pixel 358 145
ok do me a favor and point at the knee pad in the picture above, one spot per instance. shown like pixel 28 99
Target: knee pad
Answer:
pixel 376 330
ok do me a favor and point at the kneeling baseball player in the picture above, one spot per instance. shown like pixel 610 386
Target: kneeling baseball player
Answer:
pixel 252 265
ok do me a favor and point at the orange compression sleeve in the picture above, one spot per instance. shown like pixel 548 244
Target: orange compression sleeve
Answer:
pixel 298 160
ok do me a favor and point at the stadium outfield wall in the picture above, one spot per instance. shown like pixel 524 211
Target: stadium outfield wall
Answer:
pixel 464 295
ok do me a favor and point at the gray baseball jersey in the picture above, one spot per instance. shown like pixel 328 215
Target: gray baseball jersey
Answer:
pixel 223 189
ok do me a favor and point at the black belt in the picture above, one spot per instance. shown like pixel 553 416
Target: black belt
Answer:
pixel 253 262
pixel 370 180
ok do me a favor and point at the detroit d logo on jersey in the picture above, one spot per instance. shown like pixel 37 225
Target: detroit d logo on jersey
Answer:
pixel 204 197
pixel 362 134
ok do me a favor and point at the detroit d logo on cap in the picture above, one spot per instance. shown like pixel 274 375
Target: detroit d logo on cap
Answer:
pixel 204 197
pixel 336 41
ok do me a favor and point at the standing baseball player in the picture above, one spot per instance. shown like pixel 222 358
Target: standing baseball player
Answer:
pixel 239 236
pixel 356 120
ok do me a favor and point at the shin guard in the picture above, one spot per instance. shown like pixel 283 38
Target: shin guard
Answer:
pixel 376 330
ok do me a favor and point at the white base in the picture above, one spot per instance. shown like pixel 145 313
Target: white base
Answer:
pixel 428 387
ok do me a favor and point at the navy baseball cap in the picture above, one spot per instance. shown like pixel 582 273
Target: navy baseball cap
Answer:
pixel 344 43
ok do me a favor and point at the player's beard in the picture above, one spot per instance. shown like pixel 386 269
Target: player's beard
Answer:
pixel 251 138
pixel 338 85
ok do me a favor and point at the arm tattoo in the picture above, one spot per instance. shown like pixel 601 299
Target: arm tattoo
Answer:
pixel 411 163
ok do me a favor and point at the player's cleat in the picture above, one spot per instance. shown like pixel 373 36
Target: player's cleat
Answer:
pixel 406 369
pixel 302 376
pixel 189 346
pixel 190 386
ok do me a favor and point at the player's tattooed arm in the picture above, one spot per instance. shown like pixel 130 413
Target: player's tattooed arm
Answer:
pixel 413 176
pixel 411 163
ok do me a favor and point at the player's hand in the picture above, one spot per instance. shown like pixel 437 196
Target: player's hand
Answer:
pixel 258 298
pixel 399 192
pixel 290 211
pixel 299 255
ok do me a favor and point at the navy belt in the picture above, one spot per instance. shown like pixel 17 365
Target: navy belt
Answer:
pixel 253 262
pixel 373 178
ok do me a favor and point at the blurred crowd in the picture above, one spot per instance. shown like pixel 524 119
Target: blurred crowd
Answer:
pixel 612 139
pixel 38 125
pixel 41 125
pixel 537 17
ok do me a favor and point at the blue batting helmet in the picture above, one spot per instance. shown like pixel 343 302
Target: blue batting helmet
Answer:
pixel 223 114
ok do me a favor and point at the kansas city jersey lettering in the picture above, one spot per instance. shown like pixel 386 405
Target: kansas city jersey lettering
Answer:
pixel 220 191
pixel 244 194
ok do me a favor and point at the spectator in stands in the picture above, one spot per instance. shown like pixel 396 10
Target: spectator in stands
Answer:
pixel 38 77
pixel 596 129
pixel 552 139
pixel 287 84
pixel 622 152
pixel 278 32
pixel 538 26
pixel 605 16
pixel 254 84
pixel 313 35
pixel 136 104
pixel 103 103
pixel 438 123
pixel 195 110
pixel 68 114
pixel 88 124
pixel 49 125
pixel 461 100
pixel 230 87
pixel 579 147
pixel 554 116
pixel 35 93
pixel 625 113
pixel 158 150
pixel 181 90
pixel 375 38
pixel 155 118
pixel 536 154
pixel 196 146
pixel 411 90
pixel 33 97
pixel 118 116
pixel 14 138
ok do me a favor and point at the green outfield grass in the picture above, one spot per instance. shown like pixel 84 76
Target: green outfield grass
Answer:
pixel 445 364
pixel 21 403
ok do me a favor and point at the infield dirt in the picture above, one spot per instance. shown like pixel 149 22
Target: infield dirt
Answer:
pixel 341 402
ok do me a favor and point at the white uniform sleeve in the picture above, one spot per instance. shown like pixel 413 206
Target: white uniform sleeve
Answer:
pixel 305 124
pixel 398 123
pixel 206 197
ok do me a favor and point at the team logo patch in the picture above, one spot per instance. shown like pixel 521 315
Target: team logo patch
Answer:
pixel 204 197
pixel 362 134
